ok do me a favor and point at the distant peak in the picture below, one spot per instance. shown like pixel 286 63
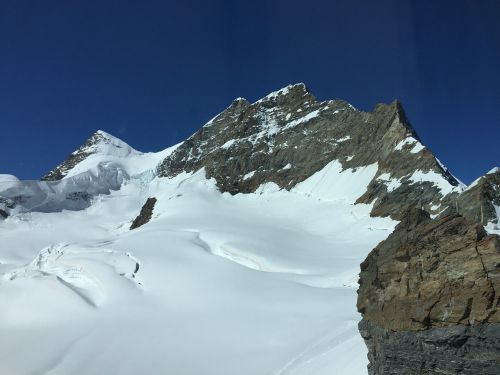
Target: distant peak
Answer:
pixel 103 142
pixel 99 143
pixel 103 134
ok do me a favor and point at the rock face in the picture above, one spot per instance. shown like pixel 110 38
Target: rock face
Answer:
pixel 430 298
pixel 480 202
pixel 145 214
pixel 288 135
pixel 467 350
pixel 5 206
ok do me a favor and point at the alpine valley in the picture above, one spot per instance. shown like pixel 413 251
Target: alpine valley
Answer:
pixel 238 251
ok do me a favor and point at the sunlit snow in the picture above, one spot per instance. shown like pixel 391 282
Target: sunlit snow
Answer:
pixel 261 283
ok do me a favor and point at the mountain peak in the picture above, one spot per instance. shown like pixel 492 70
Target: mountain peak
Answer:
pixel 101 143
pixel 105 143
pixel 103 135
pixel 293 92
pixel 396 112
pixel 288 135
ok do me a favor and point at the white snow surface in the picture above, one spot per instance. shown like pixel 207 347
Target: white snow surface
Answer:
pixel 461 186
pixel 110 145
pixel 343 139
pixel 280 92
pixel 391 183
pixel 436 179
pixel 494 228
pixel 228 144
pixel 303 119
pixel 261 283
pixel 472 184
pixel 417 146
pixel 494 170
pixel 115 153
pixel 332 183
pixel 249 175
pixel 8 181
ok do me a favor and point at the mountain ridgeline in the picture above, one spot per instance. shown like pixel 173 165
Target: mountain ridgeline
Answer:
pixel 429 294
pixel 288 135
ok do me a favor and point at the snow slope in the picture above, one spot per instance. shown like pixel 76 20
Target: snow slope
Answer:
pixel 261 283
pixel 111 164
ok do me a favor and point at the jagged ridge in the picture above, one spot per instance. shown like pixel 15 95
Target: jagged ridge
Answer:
pixel 288 135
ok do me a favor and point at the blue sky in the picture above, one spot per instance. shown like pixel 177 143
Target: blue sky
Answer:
pixel 152 72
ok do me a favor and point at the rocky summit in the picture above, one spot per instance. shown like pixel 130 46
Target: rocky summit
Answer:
pixel 289 135
pixel 429 297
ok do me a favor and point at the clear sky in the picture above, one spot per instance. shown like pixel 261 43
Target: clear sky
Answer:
pixel 153 72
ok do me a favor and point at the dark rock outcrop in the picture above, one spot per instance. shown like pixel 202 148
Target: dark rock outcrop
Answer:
pixel 430 298
pixel 479 201
pixel 288 135
pixel 5 206
pixel 145 214
pixel 460 349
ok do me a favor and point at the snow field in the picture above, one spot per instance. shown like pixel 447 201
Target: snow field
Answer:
pixel 261 283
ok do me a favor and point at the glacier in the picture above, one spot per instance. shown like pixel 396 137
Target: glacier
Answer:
pixel 261 283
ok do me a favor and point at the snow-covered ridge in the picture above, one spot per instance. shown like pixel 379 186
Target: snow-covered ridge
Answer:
pixel 282 92
pixel 248 145
pixel 419 177
pixel 106 144
pixel 100 144
pixel 494 170
pixel 109 164
pixel 477 180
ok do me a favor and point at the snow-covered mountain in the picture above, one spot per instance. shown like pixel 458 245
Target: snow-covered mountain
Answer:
pixel 101 165
pixel 247 259
pixel 288 136
pixel 101 147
